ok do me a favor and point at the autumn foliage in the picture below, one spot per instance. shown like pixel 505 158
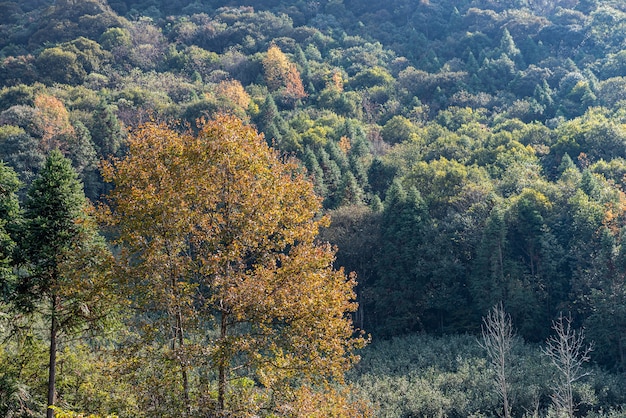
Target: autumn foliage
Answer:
pixel 282 76
pixel 233 91
pixel 53 122
pixel 219 230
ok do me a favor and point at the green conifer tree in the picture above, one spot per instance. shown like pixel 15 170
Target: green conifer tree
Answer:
pixel 9 220
pixel 67 259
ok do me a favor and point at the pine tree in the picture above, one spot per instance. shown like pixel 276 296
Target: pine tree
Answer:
pixel 268 113
pixel 9 221
pixel 67 260
pixel 350 193
pixel 489 285
pixel 399 294
pixel 106 130
pixel 507 44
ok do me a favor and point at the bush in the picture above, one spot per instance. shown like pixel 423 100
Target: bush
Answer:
pixel 427 376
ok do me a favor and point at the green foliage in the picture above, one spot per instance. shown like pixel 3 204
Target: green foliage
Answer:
pixel 60 66
pixel 115 38
pixel 20 150
pixel 9 225
pixel 473 121
pixel 55 202
pixel 68 264
pixel 421 375
pixel 371 77
pixel 397 129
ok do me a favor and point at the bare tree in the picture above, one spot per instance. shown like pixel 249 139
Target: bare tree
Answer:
pixel 567 352
pixel 497 331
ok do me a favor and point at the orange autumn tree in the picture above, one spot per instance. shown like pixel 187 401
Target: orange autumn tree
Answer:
pixel 233 91
pixel 53 122
pixel 219 232
pixel 282 76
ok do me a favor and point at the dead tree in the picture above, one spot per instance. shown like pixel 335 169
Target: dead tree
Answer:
pixel 497 332
pixel 568 353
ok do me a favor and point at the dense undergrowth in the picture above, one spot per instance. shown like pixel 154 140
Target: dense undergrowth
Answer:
pixel 426 376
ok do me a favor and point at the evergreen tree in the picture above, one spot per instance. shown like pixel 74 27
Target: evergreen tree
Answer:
pixel 507 44
pixel 332 179
pixel 21 151
pixel 566 163
pixel 489 285
pixel 350 192
pixel 67 259
pixel 357 167
pixel 544 96
pixel 471 63
pixel 315 172
pixel 337 155
pixel 399 298
pixel 9 220
pixel 267 119
pixel 590 185
pixel 106 131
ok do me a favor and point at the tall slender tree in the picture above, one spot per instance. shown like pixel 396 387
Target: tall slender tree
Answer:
pixel 66 258
pixel 568 353
pixel 497 333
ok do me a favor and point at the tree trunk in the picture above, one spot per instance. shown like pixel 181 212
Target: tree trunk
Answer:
pixel 183 360
pixel 53 358
pixel 178 329
pixel 222 363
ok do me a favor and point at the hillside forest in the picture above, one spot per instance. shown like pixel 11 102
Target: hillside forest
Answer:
pixel 317 208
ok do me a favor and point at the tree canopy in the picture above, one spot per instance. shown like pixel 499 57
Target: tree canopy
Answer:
pixel 460 155
pixel 218 229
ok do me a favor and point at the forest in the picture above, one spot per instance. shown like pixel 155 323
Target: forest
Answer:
pixel 317 208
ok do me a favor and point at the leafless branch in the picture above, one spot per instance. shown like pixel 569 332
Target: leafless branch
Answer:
pixel 567 352
pixel 497 332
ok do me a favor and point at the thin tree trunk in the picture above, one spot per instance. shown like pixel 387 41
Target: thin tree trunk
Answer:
pixel 178 330
pixel 53 358
pixel 183 360
pixel 221 389
pixel 622 351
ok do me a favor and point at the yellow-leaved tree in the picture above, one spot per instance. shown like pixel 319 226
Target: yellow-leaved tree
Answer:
pixel 282 76
pixel 219 237
pixel 53 122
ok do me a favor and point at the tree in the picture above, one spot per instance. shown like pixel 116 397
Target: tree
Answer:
pixel 490 271
pixel 400 299
pixel 497 333
pixel 507 44
pixel 53 121
pixel 218 227
pixel 355 230
pixel 282 76
pixel 21 151
pixel 567 352
pixel 233 91
pixel 60 66
pixel 535 276
pixel 9 219
pixel 105 129
pixel 67 278
pixel 397 130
